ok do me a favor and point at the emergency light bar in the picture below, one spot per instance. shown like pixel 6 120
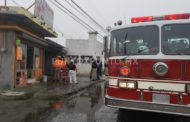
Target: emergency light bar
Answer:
pixel 176 16
pixel 142 19
pixel 165 17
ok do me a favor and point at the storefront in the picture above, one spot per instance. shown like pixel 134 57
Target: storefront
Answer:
pixel 22 47
pixel 29 61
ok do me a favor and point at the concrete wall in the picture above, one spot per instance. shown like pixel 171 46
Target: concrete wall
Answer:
pixel 85 47
pixel 7 63
pixel 77 46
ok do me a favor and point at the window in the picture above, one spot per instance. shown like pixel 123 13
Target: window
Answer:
pixel 176 39
pixel 143 40
pixel 36 58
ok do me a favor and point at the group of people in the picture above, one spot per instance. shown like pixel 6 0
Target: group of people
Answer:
pixel 95 73
pixel 65 67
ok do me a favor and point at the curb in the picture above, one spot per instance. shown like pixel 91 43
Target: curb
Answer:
pixel 56 96
pixel 85 87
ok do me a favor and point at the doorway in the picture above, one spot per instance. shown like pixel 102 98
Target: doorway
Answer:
pixel 30 62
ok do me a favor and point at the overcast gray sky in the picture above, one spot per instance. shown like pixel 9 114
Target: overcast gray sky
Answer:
pixel 106 12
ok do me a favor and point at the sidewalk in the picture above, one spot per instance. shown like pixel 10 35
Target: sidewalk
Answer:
pixel 19 110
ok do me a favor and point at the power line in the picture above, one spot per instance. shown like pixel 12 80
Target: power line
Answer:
pixel 70 15
pixel 80 13
pixel 92 19
pixel 77 10
pixel 95 10
pixel 15 2
pixel 29 8
pixel 76 17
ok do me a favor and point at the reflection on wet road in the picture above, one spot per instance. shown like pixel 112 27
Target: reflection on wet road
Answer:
pixel 88 106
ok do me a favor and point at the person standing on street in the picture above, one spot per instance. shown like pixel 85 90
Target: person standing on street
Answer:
pixel 99 67
pixel 93 73
pixel 72 72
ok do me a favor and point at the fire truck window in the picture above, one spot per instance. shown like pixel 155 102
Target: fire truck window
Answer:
pixel 141 40
pixel 176 39
pixel 113 46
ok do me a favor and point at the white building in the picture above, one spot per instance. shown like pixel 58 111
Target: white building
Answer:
pixel 83 50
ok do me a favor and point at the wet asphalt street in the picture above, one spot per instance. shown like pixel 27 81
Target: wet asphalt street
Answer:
pixel 88 106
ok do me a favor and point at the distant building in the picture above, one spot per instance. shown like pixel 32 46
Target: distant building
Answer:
pixel 83 50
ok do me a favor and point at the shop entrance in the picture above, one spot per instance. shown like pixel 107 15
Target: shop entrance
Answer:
pixel 30 61
pixel 29 64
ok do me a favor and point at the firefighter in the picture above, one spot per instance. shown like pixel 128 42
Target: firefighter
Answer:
pixel 72 72
pixel 93 72
pixel 59 64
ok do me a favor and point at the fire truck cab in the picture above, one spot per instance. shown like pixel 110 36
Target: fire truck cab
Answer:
pixel 149 65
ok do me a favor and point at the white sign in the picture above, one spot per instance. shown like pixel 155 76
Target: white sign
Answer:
pixel 44 12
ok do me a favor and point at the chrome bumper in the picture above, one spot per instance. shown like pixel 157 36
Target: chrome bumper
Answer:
pixel 147 106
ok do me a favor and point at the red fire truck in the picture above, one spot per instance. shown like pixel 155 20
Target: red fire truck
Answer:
pixel 149 65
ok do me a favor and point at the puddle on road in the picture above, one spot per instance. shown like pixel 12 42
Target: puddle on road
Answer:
pixel 37 114
pixel 80 107
pixel 84 107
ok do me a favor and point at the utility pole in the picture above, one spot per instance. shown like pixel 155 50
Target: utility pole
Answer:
pixel 5 3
